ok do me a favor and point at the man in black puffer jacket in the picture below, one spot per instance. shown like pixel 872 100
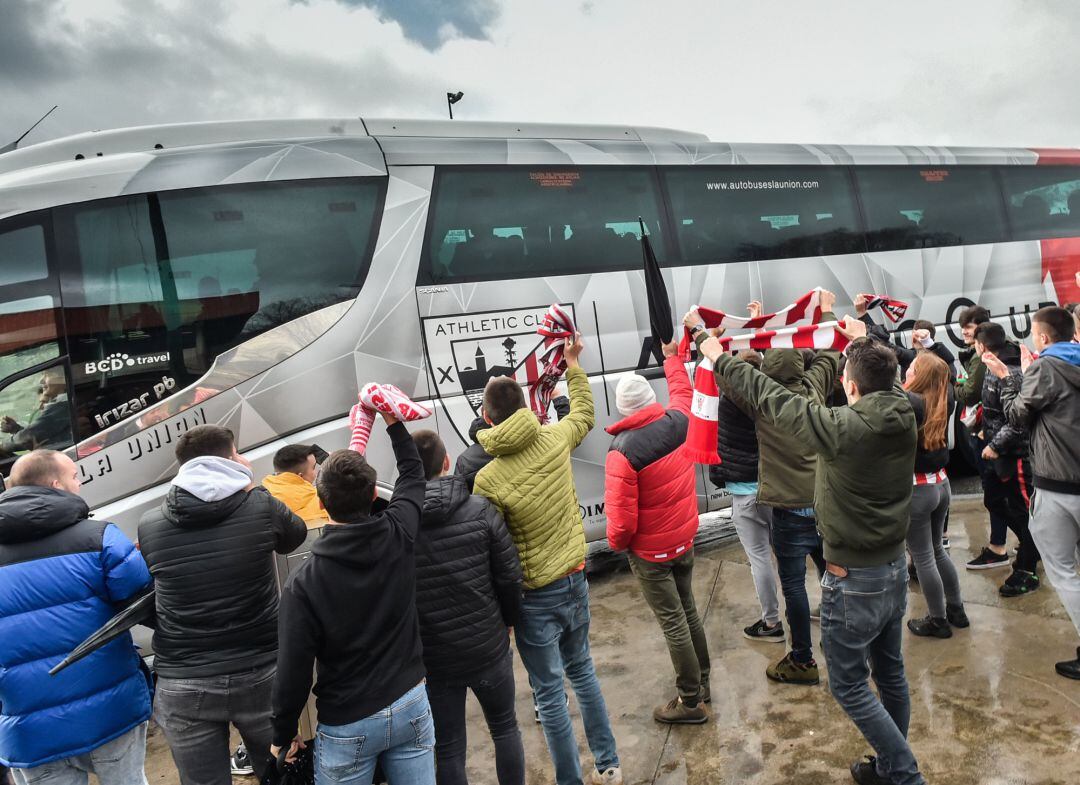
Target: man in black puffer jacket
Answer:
pixel 738 473
pixel 468 592
pixel 210 551
pixel 1007 486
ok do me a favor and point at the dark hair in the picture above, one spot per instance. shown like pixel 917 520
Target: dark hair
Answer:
pixel 502 397
pixel 751 356
pixel 292 457
pixel 432 452
pixel 203 440
pixel 992 336
pixel 871 365
pixel 974 314
pixel 35 468
pixel 346 485
pixel 1058 322
pixel 925 324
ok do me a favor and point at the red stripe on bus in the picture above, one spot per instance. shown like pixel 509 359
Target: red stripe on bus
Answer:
pixel 1057 156
pixel 1061 261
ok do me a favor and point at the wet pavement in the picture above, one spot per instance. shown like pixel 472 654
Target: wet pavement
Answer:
pixel 987 706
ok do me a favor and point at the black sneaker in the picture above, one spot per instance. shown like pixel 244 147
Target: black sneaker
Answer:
pixel 240 763
pixel 1020 582
pixel 988 560
pixel 864 772
pixel 1070 669
pixel 945 543
pixel 760 631
pixel 957 616
pixel 930 627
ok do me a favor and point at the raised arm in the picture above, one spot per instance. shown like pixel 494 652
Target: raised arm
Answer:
pixel 576 425
pixel 290 531
pixel 407 504
pixel 680 391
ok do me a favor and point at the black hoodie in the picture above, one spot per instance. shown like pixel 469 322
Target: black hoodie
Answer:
pixel 350 611
pixel 468 580
pixel 215 582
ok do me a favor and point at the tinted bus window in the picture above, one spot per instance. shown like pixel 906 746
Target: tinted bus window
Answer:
pixel 1043 201
pixel 34 408
pixel 166 283
pixel 929 206
pixel 521 222
pixel 747 213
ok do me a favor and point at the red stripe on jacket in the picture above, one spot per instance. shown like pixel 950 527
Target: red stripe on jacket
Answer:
pixel 652 510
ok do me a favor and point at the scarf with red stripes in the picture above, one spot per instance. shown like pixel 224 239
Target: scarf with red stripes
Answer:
pixel 894 310
pixel 556 326
pixel 385 399
pixel 702 435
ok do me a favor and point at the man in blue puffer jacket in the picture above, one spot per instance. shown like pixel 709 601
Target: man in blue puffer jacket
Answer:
pixel 62 576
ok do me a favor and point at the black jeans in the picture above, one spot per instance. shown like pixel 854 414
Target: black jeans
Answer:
pixel 195 716
pixel 1006 495
pixel 794 538
pixel 493 686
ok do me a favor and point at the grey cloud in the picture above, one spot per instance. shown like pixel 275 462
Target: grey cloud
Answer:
pixel 421 20
pixel 27 31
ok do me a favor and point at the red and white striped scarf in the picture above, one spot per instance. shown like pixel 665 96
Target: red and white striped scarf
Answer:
pixel 806 307
pixel 702 434
pixel 930 478
pixel 556 326
pixel 894 310
pixel 384 398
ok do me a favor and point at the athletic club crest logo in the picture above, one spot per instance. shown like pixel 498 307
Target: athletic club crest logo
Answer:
pixel 467 350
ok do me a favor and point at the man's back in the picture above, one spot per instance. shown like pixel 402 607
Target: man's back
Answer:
pixel 60 575
pixel 213 569
pixel 531 483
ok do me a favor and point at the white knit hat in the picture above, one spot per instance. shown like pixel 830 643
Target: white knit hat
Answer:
pixel 632 393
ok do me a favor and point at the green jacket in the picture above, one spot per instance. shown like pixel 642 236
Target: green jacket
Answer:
pixel 531 484
pixel 865 458
pixel 969 391
pixel 786 464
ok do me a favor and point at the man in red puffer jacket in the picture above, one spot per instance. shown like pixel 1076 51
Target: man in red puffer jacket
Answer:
pixel 651 508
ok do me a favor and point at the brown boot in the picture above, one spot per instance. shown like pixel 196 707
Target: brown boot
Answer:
pixel 675 712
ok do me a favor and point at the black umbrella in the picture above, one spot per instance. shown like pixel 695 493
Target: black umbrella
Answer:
pixel 660 318
pixel 138 612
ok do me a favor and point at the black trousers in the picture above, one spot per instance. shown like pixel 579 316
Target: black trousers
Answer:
pixel 493 686
pixel 1007 496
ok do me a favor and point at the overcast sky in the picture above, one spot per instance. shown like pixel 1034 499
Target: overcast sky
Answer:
pixel 964 72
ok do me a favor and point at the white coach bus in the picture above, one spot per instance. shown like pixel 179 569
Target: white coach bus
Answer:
pixel 253 274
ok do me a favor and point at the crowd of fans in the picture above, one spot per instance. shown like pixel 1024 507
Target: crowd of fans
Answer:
pixel 404 607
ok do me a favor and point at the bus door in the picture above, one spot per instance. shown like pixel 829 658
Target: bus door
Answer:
pixel 35 408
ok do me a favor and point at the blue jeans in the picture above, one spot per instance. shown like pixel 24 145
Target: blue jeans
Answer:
pixel 401 737
pixel 553 639
pixel 120 762
pixel 794 537
pixel 862 621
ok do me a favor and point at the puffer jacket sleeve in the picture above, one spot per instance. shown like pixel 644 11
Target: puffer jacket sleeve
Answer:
pixel 680 391
pixel 505 566
pixel 576 425
pixel 290 531
pixel 123 566
pixel 620 500
pixel 1009 439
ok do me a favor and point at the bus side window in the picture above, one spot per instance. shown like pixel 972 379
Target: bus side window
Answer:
pixel 929 206
pixel 517 222
pixel 34 408
pixel 750 213
pixel 160 286
pixel 1043 201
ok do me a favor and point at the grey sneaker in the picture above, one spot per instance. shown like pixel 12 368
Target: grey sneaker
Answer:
pixel 675 712
pixel 612 776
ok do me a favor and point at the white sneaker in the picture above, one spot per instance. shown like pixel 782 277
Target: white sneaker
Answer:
pixel 612 776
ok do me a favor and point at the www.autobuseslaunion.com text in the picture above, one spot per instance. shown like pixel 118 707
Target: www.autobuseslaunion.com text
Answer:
pixel 753 185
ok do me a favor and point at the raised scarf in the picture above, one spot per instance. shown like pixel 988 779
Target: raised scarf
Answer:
pixel 385 399
pixel 556 326
pixel 702 434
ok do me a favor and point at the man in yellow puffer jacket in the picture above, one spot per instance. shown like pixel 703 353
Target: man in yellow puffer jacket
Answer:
pixel 293 483
pixel 531 483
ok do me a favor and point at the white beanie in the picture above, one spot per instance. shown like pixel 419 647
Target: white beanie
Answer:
pixel 632 393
